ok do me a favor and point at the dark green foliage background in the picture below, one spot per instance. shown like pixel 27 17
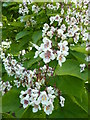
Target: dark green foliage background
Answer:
pixel 67 78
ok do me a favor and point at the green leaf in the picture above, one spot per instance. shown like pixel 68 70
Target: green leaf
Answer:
pixel 37 35
pixel 67 84
pixel 79 48
pixel 83 102
pixel 71 67
pixel 6 115
pixel 79 56
pixel 30 62
pixel 70 110
pixel 17 24
pixel 28 113
pixel 11 102
pixel 29 55
pixel 17 46
pixel 22 34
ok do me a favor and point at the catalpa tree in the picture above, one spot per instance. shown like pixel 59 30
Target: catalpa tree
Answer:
pixel 45 59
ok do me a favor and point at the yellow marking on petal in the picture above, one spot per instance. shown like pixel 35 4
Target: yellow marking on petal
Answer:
pixel 60 58
pixel 42 98
pixel 45 98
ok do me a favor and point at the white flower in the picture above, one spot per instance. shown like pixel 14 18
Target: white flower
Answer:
pixel 13 62
pixel 73 21
pixel 67 18
pixel 42 81
pixel 35 8
pixel 57 18
pixel 62 100
pixel 47 55
pixel 53 29
pixel 4 87
pixel 60 20
pixel 29 91
pixel 43 97
pixel 25 101
pixel 17 83
pixel 46 27
pixel 82 67
pixel 23 52
pixel 69 11
pixel 75 28
pixel 5 44
pixel 87 58
pixel 85 37
pixel 34 45
pixel 66 1
pixel 48 108
pixel 36 54
pixel 37 85
pixel 60 58
pixel 70 33
pixel 63 27
pixel 50 34
pixel 33 97
pixel 22 95
pixel 63 47
pixel 62 11
pixel 50 90
pixel 51 97
pixel 36 106
pixel 60 32
pixel 76 38
pixel 1 24
pixel 86 22
pixel 63 37
pixel 57 5
pixel 47 45
pixel 40 49
pixel 52 20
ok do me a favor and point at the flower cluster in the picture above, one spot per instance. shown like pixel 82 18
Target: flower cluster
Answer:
pixel 34 81
pixel 47 53
pixel 3 47
pixel 4 87
pixel 63 30
pixel 36 98
pixel 52 7
pixel 23 9
pixel 67 28
pixel 71 28
pixel 46 70
pixel 18 71
pixel 35 9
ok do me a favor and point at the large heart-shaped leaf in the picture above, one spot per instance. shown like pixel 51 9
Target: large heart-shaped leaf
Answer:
pixel 68 84
pixel 71 67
